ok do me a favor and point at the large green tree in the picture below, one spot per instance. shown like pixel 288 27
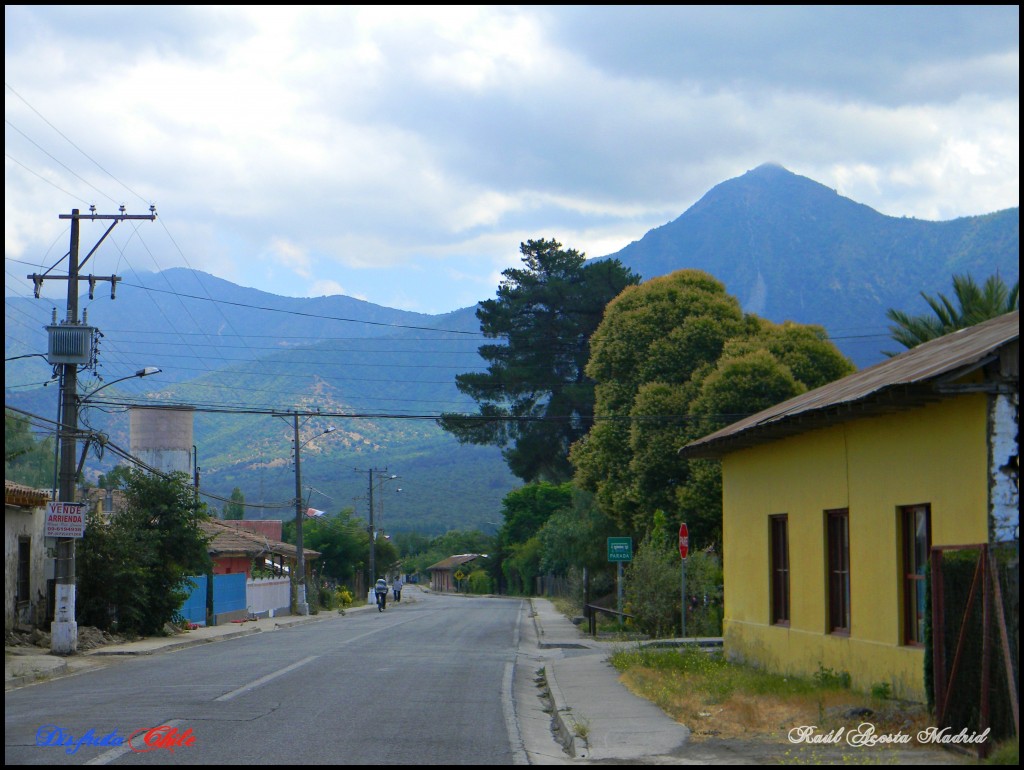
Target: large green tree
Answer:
pixel 674 359
pixel 973 304
pixel 519 550
pixel 133 570
pixel 344 545
pixel 535 398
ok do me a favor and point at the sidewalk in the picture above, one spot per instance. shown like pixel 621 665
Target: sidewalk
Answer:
pixel 600 720
pixel 596 717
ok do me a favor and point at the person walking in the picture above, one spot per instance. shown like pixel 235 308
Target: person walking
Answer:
pixel 396 588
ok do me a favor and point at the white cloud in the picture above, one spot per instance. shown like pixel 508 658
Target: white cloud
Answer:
pixel 389 150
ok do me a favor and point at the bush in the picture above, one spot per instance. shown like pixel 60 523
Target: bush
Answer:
pixel 652 587
pixel 479 582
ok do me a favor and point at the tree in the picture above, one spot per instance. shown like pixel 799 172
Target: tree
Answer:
pixel 674 359
pixel 235 510
pixel 116 479
pixel 535 399
pixel 518 550
pixel 343 543
pixel 26 461
pixel 653 340
pixel 973 305
pixel 576 537
pixel 133 570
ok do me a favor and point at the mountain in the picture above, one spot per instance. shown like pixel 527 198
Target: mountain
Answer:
pixel 790 248
pixel 786 246
pixel 221 345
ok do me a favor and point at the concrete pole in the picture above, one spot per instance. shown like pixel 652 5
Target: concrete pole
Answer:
pixel 64 628
pixel 301 606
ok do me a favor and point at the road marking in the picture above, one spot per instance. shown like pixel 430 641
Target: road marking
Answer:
pixel 264 679
pixel 508 700
pixel 113 754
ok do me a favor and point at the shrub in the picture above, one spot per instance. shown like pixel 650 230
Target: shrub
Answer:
pixel 479 582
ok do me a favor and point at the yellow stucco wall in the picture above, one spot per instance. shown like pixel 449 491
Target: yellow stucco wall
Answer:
pixel 872 466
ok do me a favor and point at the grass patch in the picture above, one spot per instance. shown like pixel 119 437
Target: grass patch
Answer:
pixel 1007 753
pixel 718 699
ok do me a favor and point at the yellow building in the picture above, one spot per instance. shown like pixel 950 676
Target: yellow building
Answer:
pixel 833 500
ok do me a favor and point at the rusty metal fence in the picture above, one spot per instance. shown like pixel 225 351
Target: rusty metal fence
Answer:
pixel 972 649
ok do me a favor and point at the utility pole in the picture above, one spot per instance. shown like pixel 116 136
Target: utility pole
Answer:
pixel 301 606
pixel 64 628
pixel 373 539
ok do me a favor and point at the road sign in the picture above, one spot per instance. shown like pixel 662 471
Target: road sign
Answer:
pixel 65 520
pixel 620 549
pixel 684 541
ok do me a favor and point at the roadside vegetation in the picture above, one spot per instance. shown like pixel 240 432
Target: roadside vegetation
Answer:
pixel 719 699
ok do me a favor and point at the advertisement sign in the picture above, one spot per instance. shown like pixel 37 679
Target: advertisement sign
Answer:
pixel 65 520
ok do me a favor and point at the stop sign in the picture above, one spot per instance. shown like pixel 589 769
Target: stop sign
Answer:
pixel 684 541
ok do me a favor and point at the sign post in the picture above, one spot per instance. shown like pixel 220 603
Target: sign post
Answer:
pixel 620 549
pixel 684 551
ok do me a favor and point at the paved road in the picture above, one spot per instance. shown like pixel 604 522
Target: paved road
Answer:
pixel 427 682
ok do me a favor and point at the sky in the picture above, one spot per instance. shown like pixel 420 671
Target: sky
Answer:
pixel 400 155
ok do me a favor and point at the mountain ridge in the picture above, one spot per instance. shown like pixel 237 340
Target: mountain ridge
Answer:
pixel 786 246
pixel 790 248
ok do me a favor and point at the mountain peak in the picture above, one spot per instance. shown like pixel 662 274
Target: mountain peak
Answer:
pixel 771 167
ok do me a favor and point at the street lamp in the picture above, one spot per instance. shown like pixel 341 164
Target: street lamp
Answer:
pixel 64 629
pixel 143 372
pixel 301 606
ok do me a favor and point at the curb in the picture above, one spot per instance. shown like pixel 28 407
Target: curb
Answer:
pixel 565 725
pixel 177 645
pixel 24 679
pixel 560 712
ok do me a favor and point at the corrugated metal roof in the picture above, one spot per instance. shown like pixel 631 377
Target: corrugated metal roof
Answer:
pixel 454 561
pixel 958 352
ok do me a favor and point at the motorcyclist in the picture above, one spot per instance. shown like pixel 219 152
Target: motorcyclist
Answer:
pixel 381 590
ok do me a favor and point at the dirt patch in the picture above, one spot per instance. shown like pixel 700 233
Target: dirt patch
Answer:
pixel 89 638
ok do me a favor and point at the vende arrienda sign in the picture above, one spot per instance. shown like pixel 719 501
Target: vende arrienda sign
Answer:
pixel 65 520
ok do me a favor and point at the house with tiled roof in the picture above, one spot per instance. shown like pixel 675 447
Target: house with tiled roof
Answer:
pixel 235 548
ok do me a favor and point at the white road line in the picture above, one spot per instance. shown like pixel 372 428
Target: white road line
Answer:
pixel 264 679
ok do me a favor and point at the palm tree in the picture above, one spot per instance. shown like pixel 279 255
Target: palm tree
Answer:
pixel 974 304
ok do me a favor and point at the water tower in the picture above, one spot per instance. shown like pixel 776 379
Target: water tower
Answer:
pixel 162 437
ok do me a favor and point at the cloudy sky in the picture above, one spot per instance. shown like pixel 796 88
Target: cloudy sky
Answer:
pixel 401 154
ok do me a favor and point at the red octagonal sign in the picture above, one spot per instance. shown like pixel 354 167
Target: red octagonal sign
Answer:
pixel 684 540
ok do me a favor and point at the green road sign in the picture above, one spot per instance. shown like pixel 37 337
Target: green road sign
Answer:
pixel 620 549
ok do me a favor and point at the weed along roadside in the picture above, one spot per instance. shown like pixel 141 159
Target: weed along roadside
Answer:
pixel 818 719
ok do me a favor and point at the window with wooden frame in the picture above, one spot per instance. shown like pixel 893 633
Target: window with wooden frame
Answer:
pixel 778 535
pixel 916 525
pixel 838 532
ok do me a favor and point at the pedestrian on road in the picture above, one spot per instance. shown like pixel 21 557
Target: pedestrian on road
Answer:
pixel 381 589
pixel 396 587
